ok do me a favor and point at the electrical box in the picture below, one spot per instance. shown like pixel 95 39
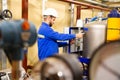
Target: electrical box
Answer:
pixel 77 47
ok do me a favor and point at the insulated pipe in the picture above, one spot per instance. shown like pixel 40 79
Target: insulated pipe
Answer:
pixel 72 15
pixel 85 4
pixel 4 4
pixel 43 6
pixel 25 16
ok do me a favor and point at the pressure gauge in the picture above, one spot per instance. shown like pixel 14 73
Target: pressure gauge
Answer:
pixel 105 62
pixel 61 67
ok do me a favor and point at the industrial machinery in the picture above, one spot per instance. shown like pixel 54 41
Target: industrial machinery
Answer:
pixel 94 37
pixel 15 37
pixel 74 48
pixel 77 47
pixel 59 67
pixel 113 25
pixel 4 15
pixel 6 74
pixel 105 62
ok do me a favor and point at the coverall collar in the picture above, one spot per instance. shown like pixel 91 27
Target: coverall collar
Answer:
pixel 44 23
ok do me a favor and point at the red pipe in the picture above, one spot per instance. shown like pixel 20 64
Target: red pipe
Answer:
pixel 78 12
pixel 86 4
pixel 25 16
pixel 25 9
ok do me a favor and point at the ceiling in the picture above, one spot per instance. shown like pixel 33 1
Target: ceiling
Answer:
pixel 103 3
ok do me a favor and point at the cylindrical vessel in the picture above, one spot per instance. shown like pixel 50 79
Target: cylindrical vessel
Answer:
pixel 113 25
pixel 94 37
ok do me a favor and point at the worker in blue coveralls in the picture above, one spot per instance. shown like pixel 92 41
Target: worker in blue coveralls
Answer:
pixel 47 37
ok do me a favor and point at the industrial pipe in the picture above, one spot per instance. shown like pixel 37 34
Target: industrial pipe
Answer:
pixel 96 3
pixel 25 16
pixel 78 12
pixel 86 4
pixel 72 14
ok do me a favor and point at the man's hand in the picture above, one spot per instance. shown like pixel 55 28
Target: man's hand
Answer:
pixel 79 35
pixel 72 41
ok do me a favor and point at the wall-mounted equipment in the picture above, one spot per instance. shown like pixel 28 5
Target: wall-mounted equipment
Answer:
pixel 77 47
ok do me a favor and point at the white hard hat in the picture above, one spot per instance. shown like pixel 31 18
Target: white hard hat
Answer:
pixel 50 11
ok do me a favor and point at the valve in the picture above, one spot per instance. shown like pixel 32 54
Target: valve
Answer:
pixel 6 14
pixel 15 36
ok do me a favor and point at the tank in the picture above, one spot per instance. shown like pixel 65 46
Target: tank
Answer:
pixel 113 25
pixel 94 37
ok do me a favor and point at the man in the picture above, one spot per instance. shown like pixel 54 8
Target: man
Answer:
pixel 47 43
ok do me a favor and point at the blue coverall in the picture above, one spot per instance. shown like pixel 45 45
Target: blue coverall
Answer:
pixel 48 46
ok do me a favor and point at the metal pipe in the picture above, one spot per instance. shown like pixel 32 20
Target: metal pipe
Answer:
pixel 25 9
pixel 4 4
pixel 16 70
pixel 72 15
pixel 78 12
pixel 96 3
pixel 43 5
pixel 25 16
pixel 86 4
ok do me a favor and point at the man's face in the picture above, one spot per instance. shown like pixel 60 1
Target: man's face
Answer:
pixel 52 20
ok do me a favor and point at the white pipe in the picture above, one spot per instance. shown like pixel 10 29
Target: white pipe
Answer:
pixel 43 6
pixel 72 15
pixel 4 4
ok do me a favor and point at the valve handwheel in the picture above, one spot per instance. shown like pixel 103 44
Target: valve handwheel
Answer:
pixel 6 14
